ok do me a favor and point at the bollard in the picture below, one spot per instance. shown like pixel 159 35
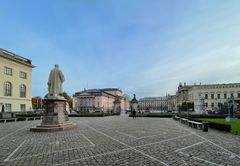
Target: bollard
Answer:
pixel 205 126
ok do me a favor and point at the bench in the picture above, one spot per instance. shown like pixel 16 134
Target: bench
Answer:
pixel 195 124
pixel 33 118
pixel 176 118
pixel 203 126
pixel 183 120
pixel 9 119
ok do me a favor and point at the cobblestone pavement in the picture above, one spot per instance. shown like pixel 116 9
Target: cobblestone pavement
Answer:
pixel 117 140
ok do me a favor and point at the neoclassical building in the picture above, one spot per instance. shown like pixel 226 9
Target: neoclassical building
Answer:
pixel 215 95
pixel 15 82
pixel 98 100
pixel 153 103
pixel 172 103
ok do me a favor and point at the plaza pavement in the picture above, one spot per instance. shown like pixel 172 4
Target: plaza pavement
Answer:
pixel 117 140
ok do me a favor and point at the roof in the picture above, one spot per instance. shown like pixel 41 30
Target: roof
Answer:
pixel 111 89
pixel 88 92
pixel 153 98
pixel 16 58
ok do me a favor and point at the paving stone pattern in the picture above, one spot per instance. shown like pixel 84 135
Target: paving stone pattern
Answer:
pixel 117 140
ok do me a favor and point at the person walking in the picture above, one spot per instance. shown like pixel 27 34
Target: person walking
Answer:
pixel 3 108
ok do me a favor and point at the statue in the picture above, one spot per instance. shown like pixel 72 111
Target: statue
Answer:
pixel 55 116
pixel 55 80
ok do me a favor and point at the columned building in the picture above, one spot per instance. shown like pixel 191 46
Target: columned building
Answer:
pixel 15 82
pixel 215 96
pixel 98 100
pixel 153 103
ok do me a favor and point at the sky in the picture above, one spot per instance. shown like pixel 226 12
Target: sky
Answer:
pixel 139 46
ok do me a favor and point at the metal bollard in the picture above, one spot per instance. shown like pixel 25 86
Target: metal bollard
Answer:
pixel 205 126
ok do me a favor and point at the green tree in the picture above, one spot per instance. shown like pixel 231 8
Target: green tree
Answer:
pixel 68 98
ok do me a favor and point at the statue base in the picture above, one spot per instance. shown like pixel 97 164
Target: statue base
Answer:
pixel 52 128
pixel 55 117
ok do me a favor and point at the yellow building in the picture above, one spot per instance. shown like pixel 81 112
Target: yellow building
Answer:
pixel 15 82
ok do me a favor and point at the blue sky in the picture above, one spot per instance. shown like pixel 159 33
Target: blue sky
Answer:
pixel 140 46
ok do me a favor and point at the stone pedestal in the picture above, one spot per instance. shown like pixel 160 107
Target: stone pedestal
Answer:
pixel 55 117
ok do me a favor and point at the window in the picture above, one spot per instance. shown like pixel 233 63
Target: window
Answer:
pixel 225 95
pixel 212 104
pixel 8 107
pixel 219 96
pixel 238 95
pixel 7 89
pixel 8 71
pixel 212 96
pixel 23 107
pixel 22 90
pixel 206 104
pixel 23 75
pixel 206 96
pixel 232 95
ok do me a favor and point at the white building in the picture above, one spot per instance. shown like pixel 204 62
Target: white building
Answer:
pixel 153 103
pixel 215 95
pixel 172 103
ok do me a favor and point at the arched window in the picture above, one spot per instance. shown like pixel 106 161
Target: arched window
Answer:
pixel 7 89
pixel 22 90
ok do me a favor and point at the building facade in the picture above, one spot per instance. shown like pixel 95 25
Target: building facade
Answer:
pixel 15 82
pixel 153 103
pixel 215 95
pixel 98 100
pixel 172 103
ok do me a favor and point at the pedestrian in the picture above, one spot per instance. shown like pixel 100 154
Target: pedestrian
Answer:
pixel 134 113
pixel 3 108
